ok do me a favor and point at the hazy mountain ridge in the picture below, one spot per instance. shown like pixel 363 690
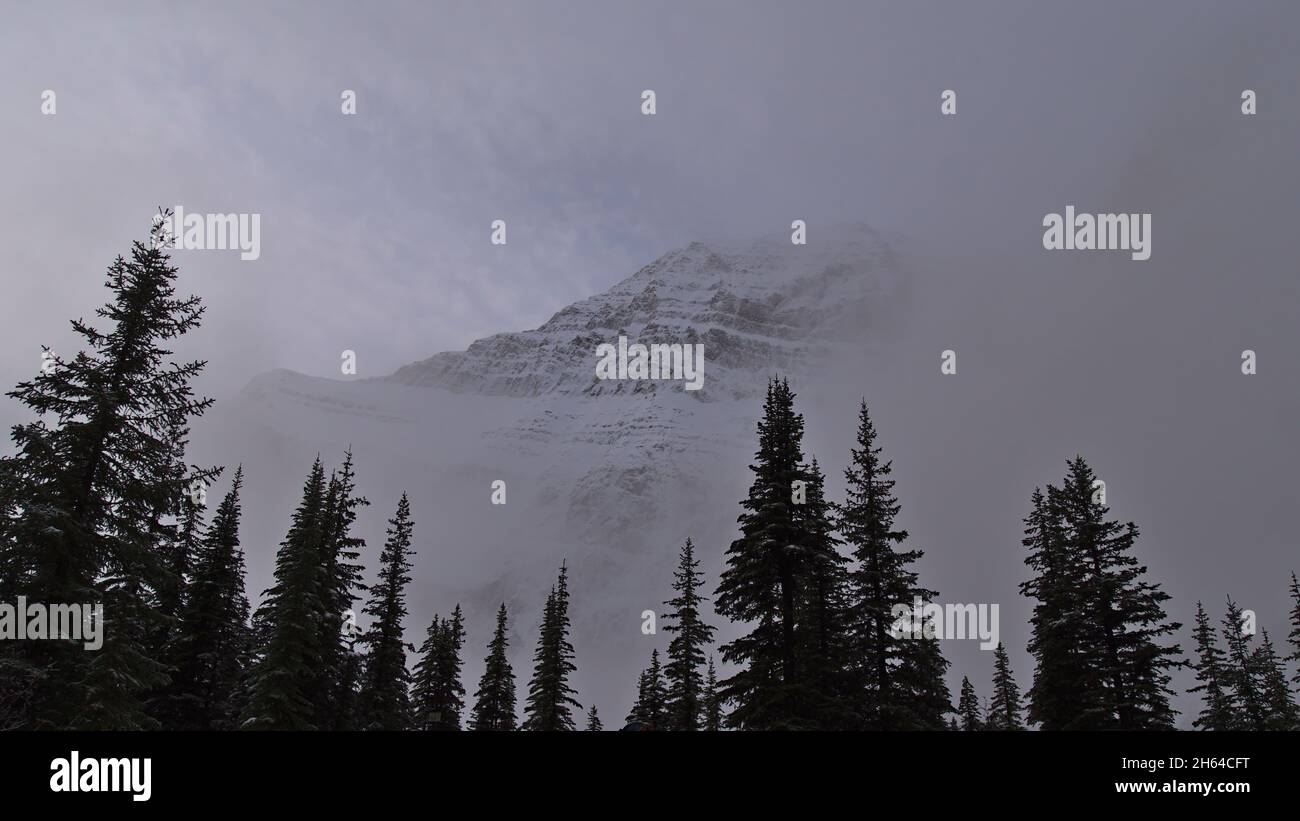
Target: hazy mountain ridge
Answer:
pixel 756 309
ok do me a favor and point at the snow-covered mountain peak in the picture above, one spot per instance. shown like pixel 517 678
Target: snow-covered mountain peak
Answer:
pixel 756 307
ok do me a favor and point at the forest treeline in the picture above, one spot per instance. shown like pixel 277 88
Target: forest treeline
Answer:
pixel 98 505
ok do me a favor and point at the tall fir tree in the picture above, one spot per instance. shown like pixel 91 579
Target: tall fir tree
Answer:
pixel 494 701
pixel 212 648
pixel 1117 656
pixel 823 617
pixel 287 625
pixel 92 494
pixel 439 694
pixel 1005 709
pixel 968 707
pixel 1218 711
pixel 654 699
pixel 686 649
pixel 761 585
pixel 451 667
pixel 899 678
pixel 593 720
pixel 1241 672
pixel 1129 625
pixel 385 702
pixel 425 683
pixel 550 698
pixel 651 706
pixel 638 705
pixel 1061 675
pixel 333 690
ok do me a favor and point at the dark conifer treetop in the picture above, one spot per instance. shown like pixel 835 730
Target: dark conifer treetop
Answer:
pixel 551 700
pixel 494 705
pixel 691 634
pixel 384 699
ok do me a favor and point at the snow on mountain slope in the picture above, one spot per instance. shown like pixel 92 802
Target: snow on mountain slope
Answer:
pixel 769 305
pixel 610 476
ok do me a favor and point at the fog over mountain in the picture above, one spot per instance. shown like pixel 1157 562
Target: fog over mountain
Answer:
pixel 610 476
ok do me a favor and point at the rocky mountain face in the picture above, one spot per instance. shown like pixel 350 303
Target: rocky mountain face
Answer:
pixel 764 307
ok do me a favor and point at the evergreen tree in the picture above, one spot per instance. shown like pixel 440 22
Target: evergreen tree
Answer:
pixel 287 625
pixel 91 497
pixel 1061 675
pixel 761 583
pixel 968 707
pixel 899 679
pixel 1128 621
pixel 439 694
pixel 549 695
pixel 1218 712
pixel 593 721
pixel 1005 707
pixel 385 700
pixel 211 651
pixel 332 690
pixel 638 706
pixel 654 699
pixel 712 703
pixel 425 682
pixel 494 702
pixel 823 616
pixel 651 707
pixel 1280 706
pixel 451 667
pixel 686 650
pixel 1241 673
pixel 1119 665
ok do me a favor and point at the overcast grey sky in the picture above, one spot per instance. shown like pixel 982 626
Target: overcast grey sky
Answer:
pixel 375 227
